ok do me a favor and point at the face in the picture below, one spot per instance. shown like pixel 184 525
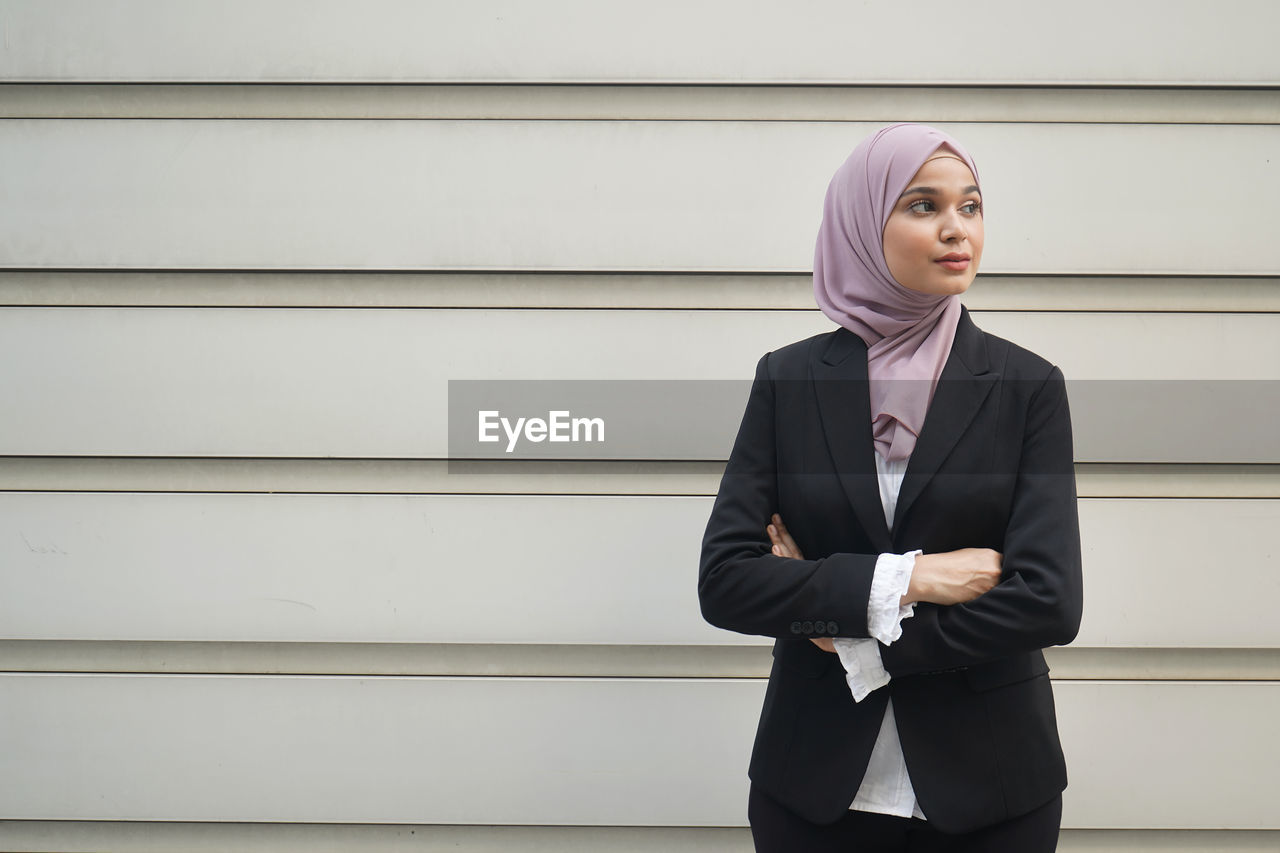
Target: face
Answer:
pixel 933 239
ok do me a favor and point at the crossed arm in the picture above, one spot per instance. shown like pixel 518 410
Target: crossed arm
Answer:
pixel 976 604
pixel 945 578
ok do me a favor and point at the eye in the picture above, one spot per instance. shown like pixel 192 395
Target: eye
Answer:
pixel 920 206
pixel 972 207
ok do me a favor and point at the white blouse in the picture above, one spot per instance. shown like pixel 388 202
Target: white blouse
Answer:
pixel 886 786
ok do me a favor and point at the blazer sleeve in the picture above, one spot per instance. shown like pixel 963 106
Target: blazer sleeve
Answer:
pixel 1039 600
pixel 742 585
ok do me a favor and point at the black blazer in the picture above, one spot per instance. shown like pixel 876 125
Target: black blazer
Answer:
pixel 992 468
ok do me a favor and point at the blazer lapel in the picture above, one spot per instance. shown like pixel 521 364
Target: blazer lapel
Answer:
pixel 963 386
pixel 844 405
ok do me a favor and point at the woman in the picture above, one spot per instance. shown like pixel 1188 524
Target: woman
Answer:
pixel 899 512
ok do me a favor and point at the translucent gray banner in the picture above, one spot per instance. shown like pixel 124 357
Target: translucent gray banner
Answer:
pixel 1147 421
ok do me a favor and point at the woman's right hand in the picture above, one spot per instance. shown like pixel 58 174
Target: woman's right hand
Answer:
pixel 953 577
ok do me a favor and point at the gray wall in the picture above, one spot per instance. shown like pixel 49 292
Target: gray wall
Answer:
pixel 246 603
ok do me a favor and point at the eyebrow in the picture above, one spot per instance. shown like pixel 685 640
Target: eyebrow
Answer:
pixel 932 191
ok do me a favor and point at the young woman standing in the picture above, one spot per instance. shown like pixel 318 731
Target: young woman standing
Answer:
pixel 899 513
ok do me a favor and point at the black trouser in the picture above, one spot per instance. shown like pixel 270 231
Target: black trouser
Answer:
pixel 778 830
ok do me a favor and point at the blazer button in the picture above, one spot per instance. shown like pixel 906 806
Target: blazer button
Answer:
pixel 807 627
pixel 833 628
pixel 795 627
pixel 819 627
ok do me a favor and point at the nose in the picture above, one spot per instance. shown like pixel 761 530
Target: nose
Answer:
pixel 952 228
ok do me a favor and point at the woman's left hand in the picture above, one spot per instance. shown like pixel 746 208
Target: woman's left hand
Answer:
pixel 785 546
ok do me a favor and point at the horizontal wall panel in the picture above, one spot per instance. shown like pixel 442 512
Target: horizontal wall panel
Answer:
pixel 708 291
pixel 575 40
pixel 566 660
pixel 548 751
pixel 1156 664
pixel 172 194
pixel 358 383
pixel 1131 747
pixel 377 568
pixel 612 102
pixel 394 568
pixel 154 837
pixel 128 837
pixel 376 750
pixel 1148 563
pixel 532 477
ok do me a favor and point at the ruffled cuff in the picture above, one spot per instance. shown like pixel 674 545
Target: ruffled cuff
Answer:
pixel 863 669
pixel 888 585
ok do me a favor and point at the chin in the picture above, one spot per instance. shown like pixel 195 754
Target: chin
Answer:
pixel 952 288
pixel 942 287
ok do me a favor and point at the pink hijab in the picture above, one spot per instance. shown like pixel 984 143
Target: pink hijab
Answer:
pixel 908 334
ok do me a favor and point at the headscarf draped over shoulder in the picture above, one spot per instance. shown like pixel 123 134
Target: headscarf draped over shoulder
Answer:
pixel 908 334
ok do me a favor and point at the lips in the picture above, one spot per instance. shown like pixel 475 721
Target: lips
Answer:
pixel 955 261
